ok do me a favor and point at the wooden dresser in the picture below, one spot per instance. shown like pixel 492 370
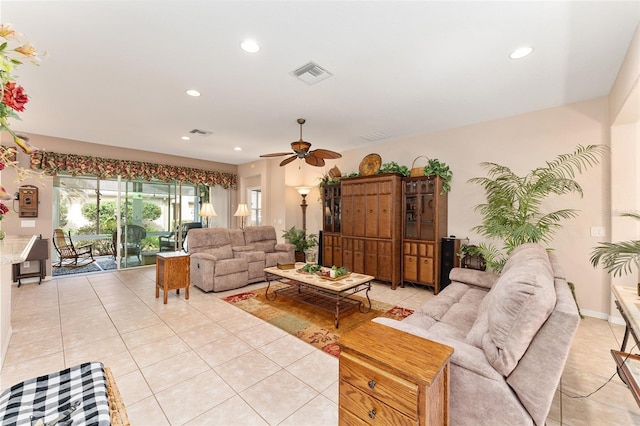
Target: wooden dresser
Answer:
pixel 389 377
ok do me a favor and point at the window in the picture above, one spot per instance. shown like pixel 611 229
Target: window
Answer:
pixel 255 207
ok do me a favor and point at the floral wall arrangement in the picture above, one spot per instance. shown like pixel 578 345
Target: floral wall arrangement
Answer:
pixel 13 98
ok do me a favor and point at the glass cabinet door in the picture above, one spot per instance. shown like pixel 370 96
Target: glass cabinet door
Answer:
pixel 411 230
pixel 332 208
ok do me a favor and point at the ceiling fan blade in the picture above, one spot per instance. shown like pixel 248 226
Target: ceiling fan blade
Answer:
pixel 312 160
pixel 276 154
pixel 325 153
pixel 288 160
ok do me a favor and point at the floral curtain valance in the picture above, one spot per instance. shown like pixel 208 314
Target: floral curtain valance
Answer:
pixel 106 168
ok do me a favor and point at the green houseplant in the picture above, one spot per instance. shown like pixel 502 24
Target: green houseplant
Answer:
pixel 438 168
pixel 300 239
pixel 618 257
pixel 513 213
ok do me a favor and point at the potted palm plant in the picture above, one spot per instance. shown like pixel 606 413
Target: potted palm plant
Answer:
pixel 618 257
pixel 513 213
pixel 302 241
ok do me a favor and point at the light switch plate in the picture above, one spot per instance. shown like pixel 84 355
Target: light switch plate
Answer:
pixel 597 231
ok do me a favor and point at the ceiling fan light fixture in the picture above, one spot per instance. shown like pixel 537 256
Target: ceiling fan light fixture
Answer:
pixel 300 146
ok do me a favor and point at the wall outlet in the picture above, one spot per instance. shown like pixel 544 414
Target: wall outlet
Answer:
pixel 26 264
pixel 597 231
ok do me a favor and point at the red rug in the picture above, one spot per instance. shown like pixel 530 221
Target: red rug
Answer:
pixel 310 324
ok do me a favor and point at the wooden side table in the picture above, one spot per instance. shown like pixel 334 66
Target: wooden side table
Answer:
pixel 172 273
pixel 391 377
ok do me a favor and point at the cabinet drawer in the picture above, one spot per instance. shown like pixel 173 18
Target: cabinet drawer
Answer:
pixel 358 407
pixel 426 249
pixel 396 392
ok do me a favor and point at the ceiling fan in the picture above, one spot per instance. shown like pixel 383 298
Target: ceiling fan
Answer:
pixel 314 157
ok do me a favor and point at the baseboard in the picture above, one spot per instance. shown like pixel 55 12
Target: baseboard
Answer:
pixel 601 315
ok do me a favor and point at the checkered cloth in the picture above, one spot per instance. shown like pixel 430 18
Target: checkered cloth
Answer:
pixel 47 397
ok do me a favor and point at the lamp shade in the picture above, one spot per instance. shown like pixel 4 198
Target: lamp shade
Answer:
pixel 303 190
pixel 207 210
pixel 242 210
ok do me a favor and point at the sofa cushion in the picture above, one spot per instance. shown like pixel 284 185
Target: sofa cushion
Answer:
pixel 520 302
pixel 265 246
pixel 222 252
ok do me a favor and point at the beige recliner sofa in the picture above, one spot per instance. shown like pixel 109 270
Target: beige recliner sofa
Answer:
pixel 225 259
pixel 511 336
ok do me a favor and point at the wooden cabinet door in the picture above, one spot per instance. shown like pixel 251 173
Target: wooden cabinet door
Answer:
pixel 385 219
pixel 371 258
pixel 358 256
pixel 410 268
pixel 371 209
pixel 347 214
pixel 337 252
pixel 347 254
pixel 385 260
pixel 410 261
pixel 426 270
pixel 426 263
pixel 359 209
pixel 327 250
pixel 371 214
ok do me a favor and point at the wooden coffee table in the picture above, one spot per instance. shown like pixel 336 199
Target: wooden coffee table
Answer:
pixel 329 295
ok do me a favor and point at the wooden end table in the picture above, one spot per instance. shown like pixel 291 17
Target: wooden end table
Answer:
pixel 172 273
pixel 391 377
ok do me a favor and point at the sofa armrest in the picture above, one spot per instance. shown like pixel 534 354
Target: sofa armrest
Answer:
pixel 284 247
pixel 204 256
pixel 473 277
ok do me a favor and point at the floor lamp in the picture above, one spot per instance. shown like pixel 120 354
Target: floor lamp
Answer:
pixel 242 212
pixel 304 191
pixel 207 211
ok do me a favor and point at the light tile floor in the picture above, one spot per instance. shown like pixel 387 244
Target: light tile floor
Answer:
pixel 205 362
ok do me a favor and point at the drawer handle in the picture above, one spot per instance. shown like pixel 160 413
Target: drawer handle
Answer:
pixel 372 384
pixel 372 413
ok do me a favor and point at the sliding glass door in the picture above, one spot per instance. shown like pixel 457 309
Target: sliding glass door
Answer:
pixel 94 210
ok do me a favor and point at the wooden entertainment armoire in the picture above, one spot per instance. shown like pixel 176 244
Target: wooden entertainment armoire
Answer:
pixel 387 226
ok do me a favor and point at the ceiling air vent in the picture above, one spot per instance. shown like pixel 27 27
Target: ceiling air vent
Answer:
pixel 200 132
pixel 311 73
pixel 375 136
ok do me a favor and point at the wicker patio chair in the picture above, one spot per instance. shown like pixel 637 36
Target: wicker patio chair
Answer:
pixel 68 254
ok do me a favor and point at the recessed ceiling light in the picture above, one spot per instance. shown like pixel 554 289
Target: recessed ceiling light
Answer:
pixel 185 138
pixel 250 45
pixel 193 92
pixel 521 52
pixel 237 148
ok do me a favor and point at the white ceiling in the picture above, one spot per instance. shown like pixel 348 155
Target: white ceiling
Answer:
pixel 117 71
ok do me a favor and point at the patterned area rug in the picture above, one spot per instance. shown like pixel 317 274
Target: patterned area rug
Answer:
pixel 308 323
pixel 101 264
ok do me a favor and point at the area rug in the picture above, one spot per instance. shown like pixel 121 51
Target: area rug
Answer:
pixel 70 270
pixel 308 323
pixel 100 264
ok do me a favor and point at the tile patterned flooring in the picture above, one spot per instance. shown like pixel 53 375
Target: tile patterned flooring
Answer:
pixel 205 362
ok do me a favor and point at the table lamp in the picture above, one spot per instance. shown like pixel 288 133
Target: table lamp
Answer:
pixel 207 211
pixel 242 212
